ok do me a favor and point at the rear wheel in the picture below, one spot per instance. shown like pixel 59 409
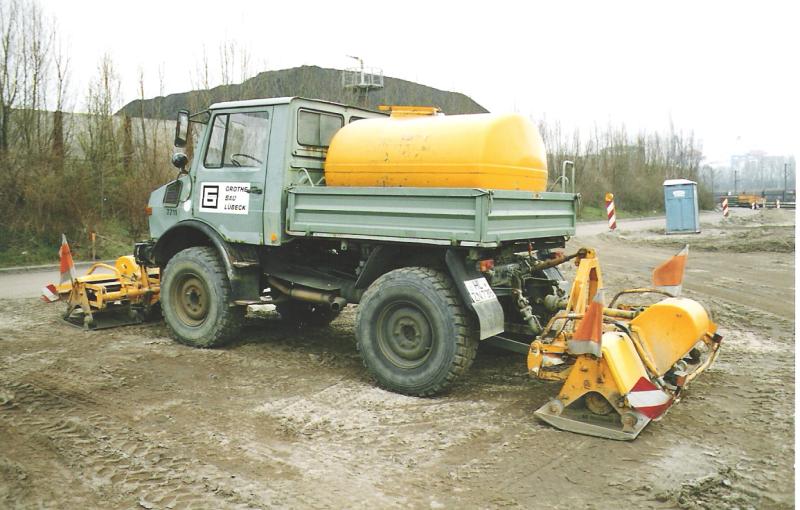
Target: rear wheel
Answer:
pixel 413 333
pixel 195 297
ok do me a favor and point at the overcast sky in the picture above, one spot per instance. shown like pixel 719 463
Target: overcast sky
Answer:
pixel 726 70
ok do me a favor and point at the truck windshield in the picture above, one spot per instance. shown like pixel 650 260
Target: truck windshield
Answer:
pixel 238 140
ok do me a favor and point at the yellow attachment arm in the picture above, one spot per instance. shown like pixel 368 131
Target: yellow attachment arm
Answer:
pixel 587 281
pixel 542 356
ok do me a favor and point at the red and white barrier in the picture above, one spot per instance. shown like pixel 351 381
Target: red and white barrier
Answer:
pixel 649 399
pixel 725 211
pixel 50 294
pixel 612 213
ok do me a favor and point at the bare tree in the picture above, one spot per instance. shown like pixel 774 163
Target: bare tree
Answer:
pixel 99 142
pixel 9 69
pixel 60 138
pixel 633 167
pixel 31 69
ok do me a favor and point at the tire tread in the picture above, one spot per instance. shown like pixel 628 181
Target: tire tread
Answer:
pixel 231 317
pixel 466 335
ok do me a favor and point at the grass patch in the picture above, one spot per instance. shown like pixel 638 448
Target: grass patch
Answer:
pixel 27 249
pixel 592 213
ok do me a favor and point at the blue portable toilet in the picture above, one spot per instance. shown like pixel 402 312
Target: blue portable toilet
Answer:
pixel 680 201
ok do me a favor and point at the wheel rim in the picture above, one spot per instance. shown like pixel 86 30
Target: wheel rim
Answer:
pixel 190 296
pixel 405 336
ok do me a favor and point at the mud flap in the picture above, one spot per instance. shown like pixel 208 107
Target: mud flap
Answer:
pixel 477 294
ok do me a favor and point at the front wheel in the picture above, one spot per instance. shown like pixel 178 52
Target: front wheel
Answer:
pixel 413 332
pixel 195 297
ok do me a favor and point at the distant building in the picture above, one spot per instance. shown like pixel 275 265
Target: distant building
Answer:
pixel 758 171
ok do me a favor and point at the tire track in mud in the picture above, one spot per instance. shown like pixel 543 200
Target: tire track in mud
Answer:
pixel 63 404
pixel 770 367
pixel 24 484
pixel 732 277
pixel 363 431
pixel 119 463
pixel 348 411
pixel 87 394
pixel 359 447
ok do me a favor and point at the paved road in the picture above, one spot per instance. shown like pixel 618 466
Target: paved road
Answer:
pixel 598 227
pixel 26 284
pixel 29 283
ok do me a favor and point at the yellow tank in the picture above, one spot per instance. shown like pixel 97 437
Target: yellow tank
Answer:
pixel 458 151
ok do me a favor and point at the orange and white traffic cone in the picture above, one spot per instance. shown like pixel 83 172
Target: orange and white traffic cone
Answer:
pixel 588 335
pixel 67 265
pixel 67 268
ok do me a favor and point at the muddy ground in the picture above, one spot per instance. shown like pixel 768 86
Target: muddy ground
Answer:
pixel 770 230
pixel 126 418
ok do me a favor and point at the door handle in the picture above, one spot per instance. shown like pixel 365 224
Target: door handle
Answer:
pixel 256 190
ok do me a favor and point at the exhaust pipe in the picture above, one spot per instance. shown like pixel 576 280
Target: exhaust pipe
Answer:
pixel 313 296
pixel 338 304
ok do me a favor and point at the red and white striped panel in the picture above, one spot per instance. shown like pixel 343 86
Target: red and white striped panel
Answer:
pixel 50 294
pixel 611 212
pixel 725 211
pixel 648 399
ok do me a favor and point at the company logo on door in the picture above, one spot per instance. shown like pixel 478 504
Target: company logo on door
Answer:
pixel 225 197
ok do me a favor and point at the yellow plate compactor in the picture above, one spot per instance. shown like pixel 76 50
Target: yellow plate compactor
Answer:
pixel 622 365
pixel 106 296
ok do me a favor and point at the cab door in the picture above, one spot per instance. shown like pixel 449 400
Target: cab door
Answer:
pixel 230 177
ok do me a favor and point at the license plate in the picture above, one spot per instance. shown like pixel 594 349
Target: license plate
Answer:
pixel 479 290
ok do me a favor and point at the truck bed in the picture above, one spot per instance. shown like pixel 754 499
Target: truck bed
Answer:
pixel 452 216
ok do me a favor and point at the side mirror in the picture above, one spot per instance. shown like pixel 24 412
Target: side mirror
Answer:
pixel 182 129
pixel 179 161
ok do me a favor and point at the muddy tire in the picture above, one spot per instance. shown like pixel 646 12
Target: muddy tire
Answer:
pixel 413 333
pixel 298 313
pixel 195 297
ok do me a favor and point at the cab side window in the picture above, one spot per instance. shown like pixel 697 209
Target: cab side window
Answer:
pixel 317 128
pixel 216 142
pixel 238 140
